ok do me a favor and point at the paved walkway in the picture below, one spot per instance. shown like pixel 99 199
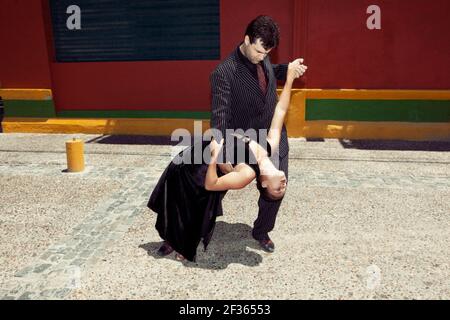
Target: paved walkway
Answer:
pixel 361 220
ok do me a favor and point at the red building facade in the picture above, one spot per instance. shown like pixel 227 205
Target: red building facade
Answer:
pixel 410 52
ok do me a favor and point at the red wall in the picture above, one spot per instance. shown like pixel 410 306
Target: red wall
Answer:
pixel 155 85
pixel 410 52
pixel 24 60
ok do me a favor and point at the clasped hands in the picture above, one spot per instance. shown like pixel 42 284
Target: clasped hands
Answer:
pixel 298 67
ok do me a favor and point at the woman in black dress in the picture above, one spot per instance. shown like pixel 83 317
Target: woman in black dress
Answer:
pixel 187 197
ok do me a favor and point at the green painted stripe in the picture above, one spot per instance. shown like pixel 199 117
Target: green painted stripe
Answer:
pixel 378 110
pixel 29 108
pixel 134 114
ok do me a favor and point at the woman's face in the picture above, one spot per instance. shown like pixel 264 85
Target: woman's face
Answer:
pixel 276 183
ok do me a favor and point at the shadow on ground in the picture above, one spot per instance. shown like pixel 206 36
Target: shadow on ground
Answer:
pixel 228 245
pixel 400 145
pixel 396 145
pixel 133 140
pixel 2 109
pixel 144 140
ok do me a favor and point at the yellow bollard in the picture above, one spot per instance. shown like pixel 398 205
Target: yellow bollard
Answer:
pixel 75 155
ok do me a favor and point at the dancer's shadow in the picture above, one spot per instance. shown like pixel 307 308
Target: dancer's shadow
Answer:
pixel 228 245
pixel 136 140
pixel 396 145
pixel 2 111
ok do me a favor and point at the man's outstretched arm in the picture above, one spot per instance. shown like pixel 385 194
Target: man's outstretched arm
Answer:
pixel 280 70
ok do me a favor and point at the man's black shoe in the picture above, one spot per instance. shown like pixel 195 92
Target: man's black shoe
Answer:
pixel 165 249
pixel 267 245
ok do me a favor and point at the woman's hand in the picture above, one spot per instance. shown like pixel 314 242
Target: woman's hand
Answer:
pixel 296 69
pixel 215 150
pixel 212 180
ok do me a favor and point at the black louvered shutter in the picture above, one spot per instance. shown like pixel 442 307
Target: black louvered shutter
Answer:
pixel 120 30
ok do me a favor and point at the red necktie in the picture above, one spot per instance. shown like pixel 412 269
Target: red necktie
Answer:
pixel 261 78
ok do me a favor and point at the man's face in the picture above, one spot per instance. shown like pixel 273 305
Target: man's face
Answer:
pixel 255 52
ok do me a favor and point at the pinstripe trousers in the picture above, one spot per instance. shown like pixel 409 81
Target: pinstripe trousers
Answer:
pixel 267 214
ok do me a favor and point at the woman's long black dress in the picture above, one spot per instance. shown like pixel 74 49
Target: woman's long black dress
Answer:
pixel 186 210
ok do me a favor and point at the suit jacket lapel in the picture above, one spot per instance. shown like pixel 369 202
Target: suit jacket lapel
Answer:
pixel 270 77
pixel 248 80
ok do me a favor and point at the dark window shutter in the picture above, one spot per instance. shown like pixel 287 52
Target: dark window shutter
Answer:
pixel 120 30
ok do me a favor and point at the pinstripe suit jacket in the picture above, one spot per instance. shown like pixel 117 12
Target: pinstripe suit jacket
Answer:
pixel 238 102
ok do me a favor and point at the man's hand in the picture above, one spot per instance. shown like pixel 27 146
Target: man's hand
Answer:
pixel 215 149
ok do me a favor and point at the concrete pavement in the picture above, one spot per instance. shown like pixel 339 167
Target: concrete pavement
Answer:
pixel 360 220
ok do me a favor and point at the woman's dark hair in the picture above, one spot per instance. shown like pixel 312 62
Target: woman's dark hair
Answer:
pixel 264 28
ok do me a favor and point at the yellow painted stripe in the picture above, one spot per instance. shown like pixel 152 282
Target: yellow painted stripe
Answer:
pixel 362 94
pixel 295 121
pixel 298 127
pixel 165 127
pixel 156 127
pixel 26 94
pixel 295 117
pixel 374 130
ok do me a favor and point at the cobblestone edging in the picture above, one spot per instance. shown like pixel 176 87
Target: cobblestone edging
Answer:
pixel 57 271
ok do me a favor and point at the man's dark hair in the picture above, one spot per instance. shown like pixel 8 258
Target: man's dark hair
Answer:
pixel 264 28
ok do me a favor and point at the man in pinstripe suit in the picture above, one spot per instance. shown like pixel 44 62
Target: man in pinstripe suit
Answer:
pixel 244 97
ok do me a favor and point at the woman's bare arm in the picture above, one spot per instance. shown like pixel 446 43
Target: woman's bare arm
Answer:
pixel 237 179
pixel 295 69
pixel 234 180
pixel 274 134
